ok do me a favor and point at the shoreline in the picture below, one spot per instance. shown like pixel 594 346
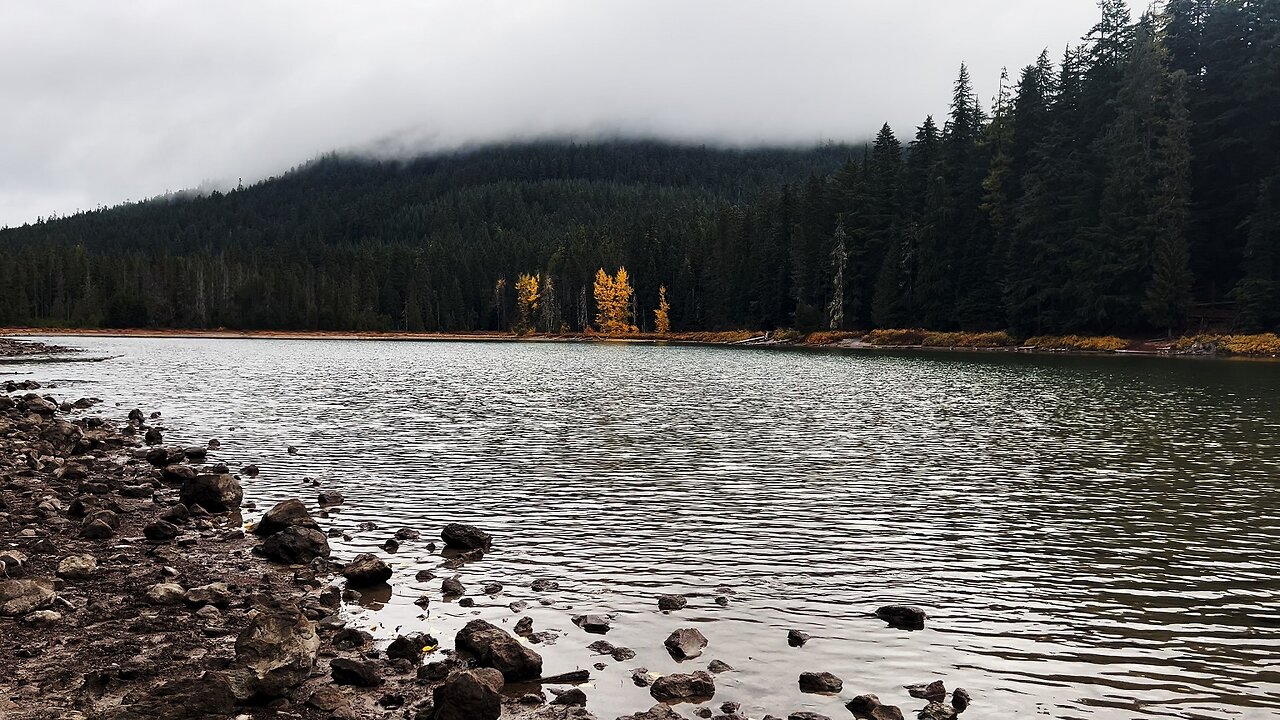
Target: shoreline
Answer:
pixel 1195 347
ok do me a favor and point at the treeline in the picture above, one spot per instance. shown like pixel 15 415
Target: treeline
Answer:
pixel 1132 184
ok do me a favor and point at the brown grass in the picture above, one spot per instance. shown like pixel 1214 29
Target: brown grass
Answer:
pixel 829 337
pixel 1260 345
pixel 1086 343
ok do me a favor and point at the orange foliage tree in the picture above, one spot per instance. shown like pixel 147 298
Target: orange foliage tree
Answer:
pixel 613 302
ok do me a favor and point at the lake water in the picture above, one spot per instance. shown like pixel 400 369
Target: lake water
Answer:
pixel 1093 537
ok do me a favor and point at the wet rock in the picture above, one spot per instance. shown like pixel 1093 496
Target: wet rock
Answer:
pixel 903 617
pixel 938 711
pixel 216 594
pixel 166 594
pixel 493 588
pixel 574 677
pixel 469 695
pixel 331 497
pixel 215 493
pixel 176 513
pixel 77 567
pixel 935 690
pixel 685 643
pixel 960 700
pixel 524 626
pixel 153 436
pixel 327 698
pixel 806 715
pixel 424 576
pixel 869 706
pixel 465 537
pixel 544 585
pixel 410 647
pixel 282 515
pixel 672 602
pixel 195 453
pixel 206 697
pixel 296 546
pixel 597 624
pixel 366 570
pixel 160 531
pixel 249 471
pixel 795 638
pixel 407 534
pixel 693 687
pixel 452 587
pixel 572 696
pixel 348 671
pixel 641 677
pixel 718 666
pixel 213 444
pixel 351 638
pixel 622 654
pixel 494 647
pixel 820 682
pixel 292 450
pixel 601 647
pixel 657 712
pixel 19 597
pixel 275 653
pixel 390 545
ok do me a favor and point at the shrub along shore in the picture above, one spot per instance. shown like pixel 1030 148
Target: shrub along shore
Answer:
pixel 1261 345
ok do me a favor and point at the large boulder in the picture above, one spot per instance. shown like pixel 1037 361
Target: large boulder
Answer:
pixel 287 514
pixel 215 493
pixel 19 597
pixel 469 695
pixel 274 654
pixel 496 648
pixel 465 537
pixel 296 546
pixel 685 643
pixel 366 570
pixel 699 686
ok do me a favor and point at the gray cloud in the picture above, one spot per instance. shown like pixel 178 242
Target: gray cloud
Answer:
pixel 100 102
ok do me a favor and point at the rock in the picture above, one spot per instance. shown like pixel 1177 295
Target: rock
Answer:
pixel 685 643
pixel 274 654
pixel 213 444
pixel 297 546
pixel 327 698
pixel 331 497
pixel 597 624
pixel 424 576
pixel 249 470
pixel 494 647
pixel 207 698
pixel 820 682
pixel 166 594
pixel 215 594
pixel 436 671
pixel 694 687
pixel 869 706
pixel 938 711
pixel 795 638
pixel 42 618
pixel 176 513
pixel 351 638
pixel 410 647
pixel 903 617
pixel 717 667
pixel 291 450
pixel 96 529
pixel 672 602
pixel 465 537
pixel 346 671
pixel 573 677
pixel 524 626
pixel 215 493
pixel 195 453
pixel 935 690
pixel 622 654
pixel 452 587
pixel 12 562
pixel 282 515
pixel 390 545
pixel 366 570
pixel 960 700
pixel 657 712
pixel 19 597
pixel 153 436
pixel 160 531
pixel 469 695
pixel 572 696
pixel 407 534
pixel 806 715
pixel 77 567
pixel 493 588
pixel 544 585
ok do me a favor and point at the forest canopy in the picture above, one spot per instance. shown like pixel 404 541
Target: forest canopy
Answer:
pixel 1129 184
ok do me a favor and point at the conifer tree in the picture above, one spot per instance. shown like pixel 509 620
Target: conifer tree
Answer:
pixel 662 315
pixel 1169 291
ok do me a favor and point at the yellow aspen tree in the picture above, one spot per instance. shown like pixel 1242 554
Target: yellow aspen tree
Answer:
pixel 661 316
pixel 527 303
pixel 613 302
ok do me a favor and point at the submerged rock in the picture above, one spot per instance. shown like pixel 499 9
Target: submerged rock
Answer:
pixel 494 647
pixel 672 602
pixel 935 690
pixel 903 617
pixel 820 682
pixel 795 638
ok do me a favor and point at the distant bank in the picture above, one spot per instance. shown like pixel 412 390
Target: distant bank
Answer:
pixel 1264 345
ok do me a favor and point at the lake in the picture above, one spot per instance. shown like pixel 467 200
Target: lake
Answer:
pixel 1092 537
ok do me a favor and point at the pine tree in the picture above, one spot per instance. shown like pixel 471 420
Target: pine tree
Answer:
pixel 1169 291
pixel 1258 292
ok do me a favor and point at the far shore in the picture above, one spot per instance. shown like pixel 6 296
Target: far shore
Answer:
pixel 1200 346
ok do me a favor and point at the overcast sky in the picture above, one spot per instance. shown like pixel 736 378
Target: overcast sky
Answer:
pixel 106 101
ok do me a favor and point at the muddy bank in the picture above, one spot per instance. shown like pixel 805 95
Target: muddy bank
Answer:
pixel 10 348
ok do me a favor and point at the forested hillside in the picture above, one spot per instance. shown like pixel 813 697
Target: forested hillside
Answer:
pixel 1131 183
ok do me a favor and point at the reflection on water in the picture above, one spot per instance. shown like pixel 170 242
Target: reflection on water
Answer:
pixel 1092 537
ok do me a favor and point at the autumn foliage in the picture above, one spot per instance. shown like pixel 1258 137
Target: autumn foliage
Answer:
pixel 613 302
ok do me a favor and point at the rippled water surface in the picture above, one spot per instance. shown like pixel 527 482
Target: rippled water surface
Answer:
pixel 1092 537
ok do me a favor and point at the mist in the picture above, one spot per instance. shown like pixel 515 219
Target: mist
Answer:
pixel 104 102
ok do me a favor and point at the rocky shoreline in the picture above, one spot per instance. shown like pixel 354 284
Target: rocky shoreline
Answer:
pixel 133 587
